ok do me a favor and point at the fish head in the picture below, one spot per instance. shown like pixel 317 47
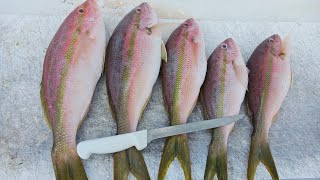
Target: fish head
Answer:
pixel 147 15
pixel 273 44
pixel 191 28
pixel 86 15
pixel 230 50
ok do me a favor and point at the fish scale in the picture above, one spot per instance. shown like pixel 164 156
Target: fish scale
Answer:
pixel 221 95
pixel 175 117
pixel 133 59
pixel 182 77
pixel 74 58
pixel 122 124
pixel 220 112
pixel 269 82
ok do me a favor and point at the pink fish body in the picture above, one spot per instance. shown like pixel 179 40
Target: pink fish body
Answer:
pixel 133 60
pixel 73 64
pixel 222 94
pixel 182 77
pixel 269 83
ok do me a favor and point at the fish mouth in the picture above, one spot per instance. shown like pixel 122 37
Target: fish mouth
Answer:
pixel 95 8
pixel 232 46
pixel 147 5
pixel 192 23
pixel 94 4
pixel 153 16
pixel 276 37
pixel 192 26
pixel 231 41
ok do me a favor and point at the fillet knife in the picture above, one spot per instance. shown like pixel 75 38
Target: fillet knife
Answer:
pixel 140 139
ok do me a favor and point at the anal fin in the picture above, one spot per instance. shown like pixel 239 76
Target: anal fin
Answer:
pixel 242 72
pixel 164 55
pixel 44 107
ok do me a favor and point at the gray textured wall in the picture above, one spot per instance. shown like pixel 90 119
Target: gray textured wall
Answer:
pixel 26 141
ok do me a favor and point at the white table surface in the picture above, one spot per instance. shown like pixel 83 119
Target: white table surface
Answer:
pixel 26 141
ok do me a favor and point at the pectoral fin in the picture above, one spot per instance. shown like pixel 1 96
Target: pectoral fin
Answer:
pixel 285 48
pixel 248 110
pixel 44 107
pixel 242 74
pixel 112 108
pixel 164 56
pixel 196 39
pixel 144 106
pixel 203 105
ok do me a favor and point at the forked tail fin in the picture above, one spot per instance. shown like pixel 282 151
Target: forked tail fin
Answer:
pixel 67 165
pixel 216 161
pixel 175 146
pixel 260 151
pixel 130 160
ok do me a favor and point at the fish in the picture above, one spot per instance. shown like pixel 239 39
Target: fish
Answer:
pixel 72 67
pixel 270 79
pixel 182 76
pixel 221 95
pixel 132 65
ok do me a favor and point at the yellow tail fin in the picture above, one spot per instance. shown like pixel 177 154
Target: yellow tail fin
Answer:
pixel 260 151
pixel 216 161
pixel 130 160
pixel 67 165
pixel 175 146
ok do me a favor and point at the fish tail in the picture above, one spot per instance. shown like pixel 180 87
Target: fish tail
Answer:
pixel 217 160
pixel 175 146
pixel 67 164
pixel 130 160
pixel 260 151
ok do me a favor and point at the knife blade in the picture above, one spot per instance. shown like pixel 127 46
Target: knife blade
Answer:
pixel 140 139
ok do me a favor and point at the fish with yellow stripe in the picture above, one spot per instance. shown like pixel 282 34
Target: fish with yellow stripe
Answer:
pixel 133 60
pixel 72 66
pixel 182 76
pixel 269 82
pixel 222 94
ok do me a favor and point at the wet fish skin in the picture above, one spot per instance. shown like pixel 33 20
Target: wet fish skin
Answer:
pixel 133 60
pixel 72 66
pixel 269 82
pixel 222 94
pixel 182 77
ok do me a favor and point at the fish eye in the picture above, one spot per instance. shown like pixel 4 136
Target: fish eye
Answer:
pixel 271 40
pixel 224 46
pixel 138 10
pixel 185 25
pixel 81 11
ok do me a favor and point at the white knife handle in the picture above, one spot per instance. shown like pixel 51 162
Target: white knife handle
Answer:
pixel 112 144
